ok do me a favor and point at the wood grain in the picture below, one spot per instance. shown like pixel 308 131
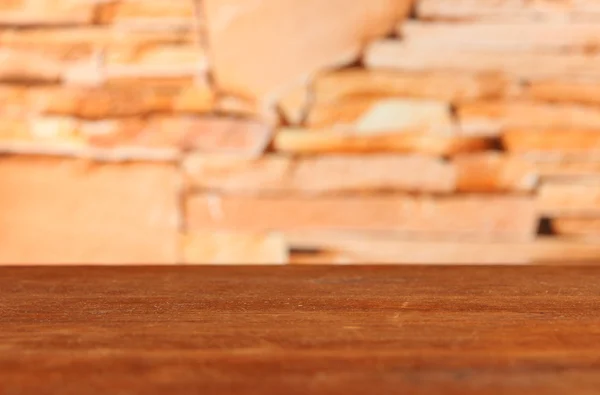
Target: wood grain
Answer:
pixel 298 330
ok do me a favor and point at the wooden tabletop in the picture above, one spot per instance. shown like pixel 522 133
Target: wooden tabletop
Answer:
pixel 300 330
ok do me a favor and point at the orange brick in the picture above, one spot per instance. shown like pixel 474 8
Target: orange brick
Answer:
pixel 524 114
pixel 494 172
pixel 61 211
pixel 552 142
pixel 450 86
pixel 299 141
pixel 383 115
pixel 565 91
pixel 491 217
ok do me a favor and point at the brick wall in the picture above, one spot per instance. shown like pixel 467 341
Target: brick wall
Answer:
pixel 302 131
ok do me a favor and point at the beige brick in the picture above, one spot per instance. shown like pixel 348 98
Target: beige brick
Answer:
pixel 344 248
pixel 397 55
pixel 386 115
pixel 569 199
pixel 284 53
pixel 508 10
pixel 61 211
pixel 525 114
pixel 274 174
pixel 494 172
pixel 448 86
pixel 553 143
pixel 565 91
pixel 492 217
pixel 234 248
pixel 301 141
pixel 501 36
pixel 576 227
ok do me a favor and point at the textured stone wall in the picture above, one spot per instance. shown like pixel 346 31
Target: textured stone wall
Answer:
pixel 299 131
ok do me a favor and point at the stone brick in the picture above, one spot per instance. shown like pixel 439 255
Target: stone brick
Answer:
pixel 578 169
pixel 398 55
pixel 343 248
pixel 70 43
pixel 525 114
pixel 62 211
pixel 44 135
pixel 14 101
pixel 568 199
pixel 373 173
pixel 508 10
pixel 553 143
pixel 448 86
pixel 46 12
pixel 210 135
pixel 470 216
pixel 28 67
pixel 156 61
pixel 505 36
pixel 241 107
pixel 122 100
pixel 386 115
pixel 155 138
pixel 301 141
pixel 274 174
pixel 576 227
pixel 494 172
pixel 295 104
pixel 148 14
pixel 283 52
pixel 234 248
pixel 565 91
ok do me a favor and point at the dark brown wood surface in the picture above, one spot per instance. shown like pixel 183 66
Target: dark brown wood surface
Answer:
pixel 300 330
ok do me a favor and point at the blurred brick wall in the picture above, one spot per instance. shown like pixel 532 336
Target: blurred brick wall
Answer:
pixel 303 131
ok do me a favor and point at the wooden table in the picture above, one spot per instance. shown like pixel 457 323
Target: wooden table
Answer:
pixel 300 330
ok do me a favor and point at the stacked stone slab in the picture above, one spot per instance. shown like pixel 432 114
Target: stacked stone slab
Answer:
pixel 288 131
